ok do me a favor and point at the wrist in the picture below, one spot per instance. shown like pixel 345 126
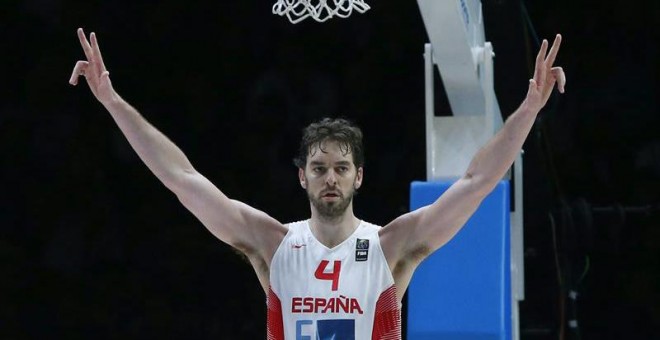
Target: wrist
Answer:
pixel 528 108
pixel 112 101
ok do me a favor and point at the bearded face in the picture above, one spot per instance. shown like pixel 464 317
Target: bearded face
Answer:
pixel 330 179
pixel 331 202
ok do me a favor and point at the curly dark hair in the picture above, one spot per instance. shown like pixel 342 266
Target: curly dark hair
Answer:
pixel 341 130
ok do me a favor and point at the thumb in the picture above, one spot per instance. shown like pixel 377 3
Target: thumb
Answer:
pixel 532 85
pixel 105 79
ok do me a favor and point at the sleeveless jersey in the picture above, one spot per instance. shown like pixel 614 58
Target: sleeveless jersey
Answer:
pixel 343 293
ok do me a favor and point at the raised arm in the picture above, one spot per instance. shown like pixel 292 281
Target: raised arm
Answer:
pixel 235 223
pixel 413 236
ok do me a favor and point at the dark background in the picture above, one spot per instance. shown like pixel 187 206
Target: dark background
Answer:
pixel 93 246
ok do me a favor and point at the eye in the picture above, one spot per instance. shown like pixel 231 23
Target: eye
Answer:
pixel 342 169
pixel 318 169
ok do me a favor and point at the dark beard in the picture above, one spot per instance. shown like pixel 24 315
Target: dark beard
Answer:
pixel 330 210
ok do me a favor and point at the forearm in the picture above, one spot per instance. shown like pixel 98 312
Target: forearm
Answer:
pixel 160 154
pixel 493 160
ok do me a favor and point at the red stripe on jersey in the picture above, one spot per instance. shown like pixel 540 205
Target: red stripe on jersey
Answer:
pixel 387 321
pixel 275 325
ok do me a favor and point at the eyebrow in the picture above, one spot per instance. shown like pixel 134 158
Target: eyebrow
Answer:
pixel 336 163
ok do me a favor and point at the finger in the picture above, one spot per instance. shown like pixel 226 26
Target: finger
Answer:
pixel 559 74
pixel 78 70
pixel 539 70
pixel 85 45
pixel 550 60
pixel 97 52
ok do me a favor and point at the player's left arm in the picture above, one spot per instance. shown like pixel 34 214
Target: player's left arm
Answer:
pixel 411 237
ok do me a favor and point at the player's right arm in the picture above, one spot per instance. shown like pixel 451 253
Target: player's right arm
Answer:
pixel 239 225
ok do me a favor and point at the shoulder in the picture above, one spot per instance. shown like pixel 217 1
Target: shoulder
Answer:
pixel 371 225
pixel 368 230
pixel 367 226
pixel 296 227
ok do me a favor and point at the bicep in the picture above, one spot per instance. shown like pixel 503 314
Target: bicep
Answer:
pixel 231 221
pixel 415 235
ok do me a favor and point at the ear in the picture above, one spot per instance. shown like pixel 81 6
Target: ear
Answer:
pixel 358 178
pixel 301 177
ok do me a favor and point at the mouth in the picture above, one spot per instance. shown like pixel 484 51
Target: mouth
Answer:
pixel 331 195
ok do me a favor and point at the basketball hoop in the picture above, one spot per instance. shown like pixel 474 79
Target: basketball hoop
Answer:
pixel 319 10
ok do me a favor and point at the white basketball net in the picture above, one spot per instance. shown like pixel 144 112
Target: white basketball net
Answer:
pixel 319 10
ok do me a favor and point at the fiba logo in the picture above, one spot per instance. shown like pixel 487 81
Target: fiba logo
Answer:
pixel 361 250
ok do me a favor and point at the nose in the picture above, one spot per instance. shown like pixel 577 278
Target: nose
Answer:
pixel 331 178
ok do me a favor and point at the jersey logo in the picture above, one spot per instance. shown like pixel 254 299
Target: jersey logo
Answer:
pixel 361 250
pixel 338 329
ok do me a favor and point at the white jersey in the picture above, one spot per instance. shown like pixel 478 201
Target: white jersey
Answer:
pixel 343 293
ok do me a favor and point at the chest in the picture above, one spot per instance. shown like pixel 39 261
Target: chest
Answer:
pixel 305 268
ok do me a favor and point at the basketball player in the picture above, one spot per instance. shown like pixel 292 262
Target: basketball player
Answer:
pixel 331 276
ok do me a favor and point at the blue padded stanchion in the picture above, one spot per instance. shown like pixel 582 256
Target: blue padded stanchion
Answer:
pixel 463 290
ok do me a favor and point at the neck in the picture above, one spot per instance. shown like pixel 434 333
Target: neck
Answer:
pixel 332 231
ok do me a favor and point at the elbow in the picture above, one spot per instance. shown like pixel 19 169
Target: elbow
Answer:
pixel 480 184
pixel 175 181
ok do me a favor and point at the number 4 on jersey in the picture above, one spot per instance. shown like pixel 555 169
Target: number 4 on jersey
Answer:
pixel 333 276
